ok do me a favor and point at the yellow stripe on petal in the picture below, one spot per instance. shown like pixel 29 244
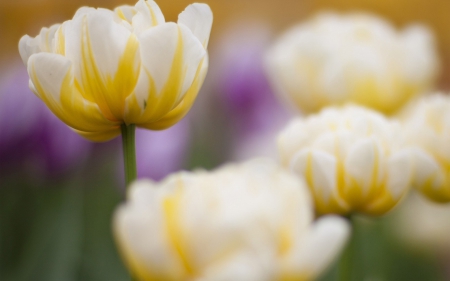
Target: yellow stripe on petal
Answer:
pixel 107 91
pixel 52 78
pixel 176 114
pixel 159 104
pixel 171 212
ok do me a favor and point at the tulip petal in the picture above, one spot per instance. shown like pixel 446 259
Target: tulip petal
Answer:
pixel 148 14
pixel 27 47
pixel 429 178
pixel 137 221
pixel 320 170
pixel 400 173
pixel 186 103
pixel 52 80
pixel 198 18
pixel 108 59
pixel 170 64
pixel 398 182
pixel 125 12
pixel 321 246
pixel 363 165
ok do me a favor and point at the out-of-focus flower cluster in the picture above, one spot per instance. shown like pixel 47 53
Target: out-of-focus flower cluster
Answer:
pixel 333 59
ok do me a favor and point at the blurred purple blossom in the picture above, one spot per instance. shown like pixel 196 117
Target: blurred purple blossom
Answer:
pixel 252 108
pixel 32 139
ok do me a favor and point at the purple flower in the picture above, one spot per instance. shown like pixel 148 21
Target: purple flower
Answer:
pixel 32 139
pixel 251 106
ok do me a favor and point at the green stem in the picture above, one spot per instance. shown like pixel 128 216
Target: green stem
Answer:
pixel 349 256
pixel 129 156
pixel 129 152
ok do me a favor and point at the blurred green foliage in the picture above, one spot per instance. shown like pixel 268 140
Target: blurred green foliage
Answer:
pixel 60 232
pixel 377 256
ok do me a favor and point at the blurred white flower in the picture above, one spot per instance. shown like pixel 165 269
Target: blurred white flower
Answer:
pixel 423 225
pixel 252 221
pixel 105 68
pixel 333 59
pixel 352 159
pixel 427 126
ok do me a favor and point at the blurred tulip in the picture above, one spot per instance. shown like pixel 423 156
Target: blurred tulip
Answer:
pixel 104 68
pixel 333 59
pixel 427 125
pixel 352 159
pixel 251 221
pixel 252 109
pixel 31 137
pixel 423 225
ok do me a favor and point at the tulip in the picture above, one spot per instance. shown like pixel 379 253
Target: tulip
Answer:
pixel 105 68
pixel 334 59
pixel 251 221
pixel 427 126
pixel 352 158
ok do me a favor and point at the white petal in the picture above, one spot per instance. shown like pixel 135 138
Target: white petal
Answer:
pixel 134 225
pixel 160 46
pixel 98 32
pixel 126 12
pixel 323 244
pixel 319 169
pixel 46 38
pixel 83 11
pixel 242 266
pixel 426 168
pixel 193 53
pixel 142 191
pixel 52 81
pixel 400 173
pixel 27 47
pixel 49 70
pixel 198 18
pixel 364 164
pixel 148 15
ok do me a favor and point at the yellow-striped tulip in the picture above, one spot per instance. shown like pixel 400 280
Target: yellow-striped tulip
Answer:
pixel 252 221
pixel 351 158
pixel 333 59
pixel 104 68
pixel 427 125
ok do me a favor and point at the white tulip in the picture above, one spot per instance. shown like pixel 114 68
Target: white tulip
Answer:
pixel 352 159
pixel 427 126
pixel 128 66
pixel 252 221
pixel 333 59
